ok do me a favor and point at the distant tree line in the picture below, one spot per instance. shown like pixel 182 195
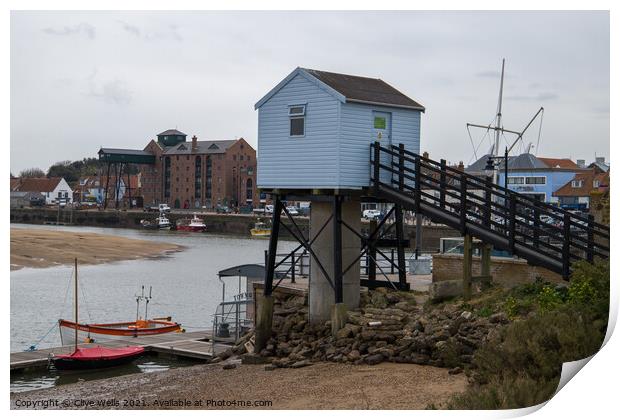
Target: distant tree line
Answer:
pixel 73 171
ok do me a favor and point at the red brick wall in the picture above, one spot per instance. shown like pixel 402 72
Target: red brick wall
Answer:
pixel 506 272
pixel 226 185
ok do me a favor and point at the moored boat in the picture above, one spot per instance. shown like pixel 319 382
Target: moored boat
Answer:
pixel 195 224
pixel 96 357
pixel 92 358
pixel 260 229
pixel 161 222
pixel 88 333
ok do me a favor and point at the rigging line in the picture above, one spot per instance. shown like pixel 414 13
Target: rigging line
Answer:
pixel 472 143
pixel 86 306
pixel 64 302
pixel 540 130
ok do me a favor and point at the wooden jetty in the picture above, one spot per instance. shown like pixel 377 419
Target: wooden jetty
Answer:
pixel 193 345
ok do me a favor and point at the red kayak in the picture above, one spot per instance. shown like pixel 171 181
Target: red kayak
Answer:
pixel 96 357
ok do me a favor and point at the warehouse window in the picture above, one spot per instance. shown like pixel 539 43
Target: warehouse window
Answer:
pixel 297 115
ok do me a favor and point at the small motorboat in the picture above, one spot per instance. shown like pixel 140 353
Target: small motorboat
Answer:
pixel 260 229
pixel 161 222
pixel 195 224
pixel 96 357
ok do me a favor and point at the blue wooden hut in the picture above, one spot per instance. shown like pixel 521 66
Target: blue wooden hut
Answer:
pixel 315 129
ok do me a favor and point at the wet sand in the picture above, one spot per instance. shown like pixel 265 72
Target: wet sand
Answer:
pixel 40 248
pixel 321 386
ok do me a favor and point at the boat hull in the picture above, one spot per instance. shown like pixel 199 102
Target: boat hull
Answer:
pixel 260 232
pixel 88 333
pixel 183 228
pixel 96 358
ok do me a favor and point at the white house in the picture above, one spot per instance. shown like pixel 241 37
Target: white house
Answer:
pixel 53 189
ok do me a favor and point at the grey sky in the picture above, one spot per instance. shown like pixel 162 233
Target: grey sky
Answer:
pixel 83 80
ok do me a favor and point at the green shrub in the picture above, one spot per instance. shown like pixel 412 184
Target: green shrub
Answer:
pixel 521 366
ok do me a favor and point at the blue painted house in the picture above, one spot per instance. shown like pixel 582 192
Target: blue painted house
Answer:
pixel 536 176
pixel 315 129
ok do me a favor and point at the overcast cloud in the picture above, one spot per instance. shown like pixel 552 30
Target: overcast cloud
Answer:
pixel 84 80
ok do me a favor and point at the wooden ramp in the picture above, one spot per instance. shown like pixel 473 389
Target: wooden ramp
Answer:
pixel 195 345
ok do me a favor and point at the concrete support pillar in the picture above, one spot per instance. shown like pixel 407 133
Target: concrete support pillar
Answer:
pixel 467 263
pixel 321 296
pixel 264 318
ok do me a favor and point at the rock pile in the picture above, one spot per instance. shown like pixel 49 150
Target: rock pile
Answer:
pixel 387 327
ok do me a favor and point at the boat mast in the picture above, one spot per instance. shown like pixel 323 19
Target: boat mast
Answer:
pixel 76 305
pixel 498 125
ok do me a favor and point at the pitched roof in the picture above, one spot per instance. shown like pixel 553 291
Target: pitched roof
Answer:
pixel 38 184
pixel 15 183
pixel 587 184
pixel 559 163
pixel 365 89
pixel 349 88
pixel 172 132
pixel 96 181
pixel 136 152
pixel 204 147
pixel 525 161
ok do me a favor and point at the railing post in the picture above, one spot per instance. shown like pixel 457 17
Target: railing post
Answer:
pixel 442 183
pixel 392 257
pixel 418 184
pixel 512 222
pixel 566 247
pixel 401 166
pixel 376 163
pixel 463 197
pixel 590 255
pixel 293 267
pixel 536 226
pixel 487 203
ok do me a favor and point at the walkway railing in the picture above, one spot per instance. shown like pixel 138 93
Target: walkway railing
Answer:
pixel 541 233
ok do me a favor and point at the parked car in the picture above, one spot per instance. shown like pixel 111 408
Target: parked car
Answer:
pixel 371 214
pixel 292 210
pixel 161 208
pixel 223 209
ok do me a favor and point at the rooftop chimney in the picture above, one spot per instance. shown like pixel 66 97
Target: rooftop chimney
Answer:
pixel 461 167
pixel 581 163
pixel 425 155
pixel 194 144
pixel 600 159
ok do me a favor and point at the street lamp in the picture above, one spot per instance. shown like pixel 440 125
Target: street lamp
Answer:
pixel 489 169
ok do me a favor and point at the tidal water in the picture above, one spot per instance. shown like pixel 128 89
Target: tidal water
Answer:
pixel 185 284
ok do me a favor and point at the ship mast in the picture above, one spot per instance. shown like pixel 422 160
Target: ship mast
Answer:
pixel 76 305
pixel 498 124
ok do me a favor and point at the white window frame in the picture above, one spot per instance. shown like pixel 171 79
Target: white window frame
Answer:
pixel 596 183
pixel 300 115
pixel 576 183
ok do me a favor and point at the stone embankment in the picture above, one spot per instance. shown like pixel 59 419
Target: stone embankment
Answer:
pixel 389 327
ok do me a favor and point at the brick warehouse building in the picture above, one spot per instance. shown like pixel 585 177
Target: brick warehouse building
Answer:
pixel 197 174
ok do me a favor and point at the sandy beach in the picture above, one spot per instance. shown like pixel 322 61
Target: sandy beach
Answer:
pixel 40 248
pixel 386 386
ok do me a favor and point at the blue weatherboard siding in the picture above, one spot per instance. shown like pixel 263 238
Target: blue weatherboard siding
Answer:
pixel 357 134
pixel 335 149
pixel 555 180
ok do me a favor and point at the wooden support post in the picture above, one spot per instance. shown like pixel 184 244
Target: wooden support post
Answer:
pixel 402 268
pixel 463 197
pixel 293 267
pixel 401 166
pixel 485 270
pixel 467 263
pixel 512 223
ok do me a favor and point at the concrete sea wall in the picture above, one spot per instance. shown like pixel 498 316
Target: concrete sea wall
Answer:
pixel 228 224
